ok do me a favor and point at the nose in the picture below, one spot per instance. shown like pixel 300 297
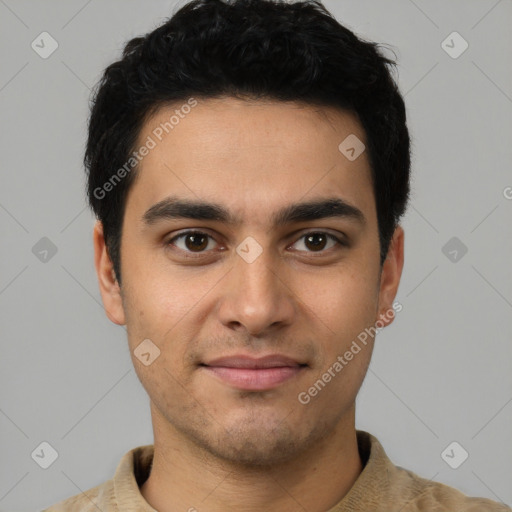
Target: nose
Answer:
pixel 256 296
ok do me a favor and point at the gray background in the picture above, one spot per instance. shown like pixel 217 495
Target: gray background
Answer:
pixel 440 373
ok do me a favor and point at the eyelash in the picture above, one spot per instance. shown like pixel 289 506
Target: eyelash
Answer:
pixel 340 243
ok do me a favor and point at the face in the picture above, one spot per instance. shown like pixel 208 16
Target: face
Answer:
pixel 252 296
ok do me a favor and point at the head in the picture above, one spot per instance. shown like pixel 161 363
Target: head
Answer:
pixel 248 163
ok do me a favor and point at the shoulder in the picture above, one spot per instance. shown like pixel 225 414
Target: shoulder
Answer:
pixel 102 495
pixel 421 495
pixel 383 486
pixel 133 469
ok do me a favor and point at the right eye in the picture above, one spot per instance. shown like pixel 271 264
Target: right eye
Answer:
pixel 191 242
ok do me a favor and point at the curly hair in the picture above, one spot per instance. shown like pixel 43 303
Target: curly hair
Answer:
pixel 254 49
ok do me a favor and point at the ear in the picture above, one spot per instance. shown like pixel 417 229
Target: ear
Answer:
pixel 109 287
pixel 390 277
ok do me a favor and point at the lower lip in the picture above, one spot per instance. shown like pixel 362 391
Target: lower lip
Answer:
pixel 254 379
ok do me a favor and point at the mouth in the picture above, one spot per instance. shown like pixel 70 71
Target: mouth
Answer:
pixel 254 374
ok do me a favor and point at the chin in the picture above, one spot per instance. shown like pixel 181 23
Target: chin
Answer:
pixel 250 452
pixel 255 445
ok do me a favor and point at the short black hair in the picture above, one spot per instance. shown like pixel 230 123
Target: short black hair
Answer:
pixel 248 49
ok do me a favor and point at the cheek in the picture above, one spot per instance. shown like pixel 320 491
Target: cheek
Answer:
pixel 156 300
pixel 343 302
pixel 341 313
pixel 160 308
pixel 153 332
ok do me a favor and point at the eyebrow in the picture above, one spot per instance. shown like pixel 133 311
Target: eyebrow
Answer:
pixel 176 208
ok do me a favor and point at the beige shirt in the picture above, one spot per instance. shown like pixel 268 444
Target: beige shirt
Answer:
pixel 381 487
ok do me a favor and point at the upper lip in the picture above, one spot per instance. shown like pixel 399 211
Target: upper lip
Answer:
pixel 246 361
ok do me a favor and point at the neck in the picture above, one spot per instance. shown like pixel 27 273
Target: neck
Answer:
pixel 185 477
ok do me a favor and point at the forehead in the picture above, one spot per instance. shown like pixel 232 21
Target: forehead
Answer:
pixel 251 155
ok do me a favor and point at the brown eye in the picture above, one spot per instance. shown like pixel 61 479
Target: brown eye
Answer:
pixel 317 241
pixel 191 241
pixel 196 241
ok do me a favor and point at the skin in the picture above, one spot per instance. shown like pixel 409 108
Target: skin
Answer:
pixel 219 448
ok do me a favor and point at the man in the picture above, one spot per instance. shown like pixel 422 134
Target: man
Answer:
pixel 248 163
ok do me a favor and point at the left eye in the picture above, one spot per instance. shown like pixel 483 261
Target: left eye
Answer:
pixel 318 241
pixel 199 242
